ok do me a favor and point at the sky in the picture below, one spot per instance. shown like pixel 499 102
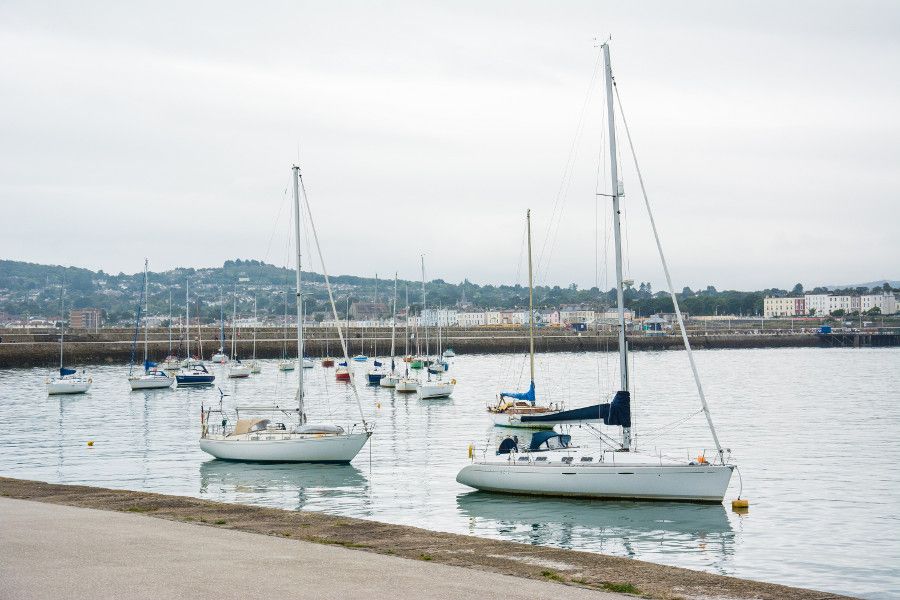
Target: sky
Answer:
pixel 768 135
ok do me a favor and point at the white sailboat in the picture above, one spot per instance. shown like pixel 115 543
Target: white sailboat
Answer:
pixel 193 372
pixel 406 384
pixel 171 362
pixel 220 357
pixel 68 381
pixel 551 466
pixel 286 364
pixel 152 378
pixel 436 386
pixel 262 440
pixel 236 369
pixel 392 377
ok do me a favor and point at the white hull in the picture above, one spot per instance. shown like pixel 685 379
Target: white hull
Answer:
pixel 389 381
pixel 294 448
pixel 171 365
pixel 219 358
pixel 308 363
pixel 505 420
pixel 434 389
pixel 255 367
pixel 407 385
pixel 56 387
pixel 682 482
pixel 153 382
pixel 238 372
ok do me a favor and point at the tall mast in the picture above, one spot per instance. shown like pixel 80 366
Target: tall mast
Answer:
pixel 233 324
pixel 187 318
pixel 424 324
pixel 393 322
pixel 530 302
pixel 295 170
pixel 617 229
pixel 406 326
pixel 62 324
pixel 146 308
pixel 170 321
pixel 221 320
pixel 254 327
pixel 375 329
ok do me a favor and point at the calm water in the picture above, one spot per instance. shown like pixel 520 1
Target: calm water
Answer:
pixel 813 430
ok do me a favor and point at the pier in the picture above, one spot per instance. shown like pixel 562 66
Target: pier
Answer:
pixel 104 543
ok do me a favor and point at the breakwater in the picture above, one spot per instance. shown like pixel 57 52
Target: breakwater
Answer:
pixel 41 348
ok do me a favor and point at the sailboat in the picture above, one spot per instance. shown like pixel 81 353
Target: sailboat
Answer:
pixel 438 364
pixel 436 387
pixel 552 466
pixel 152 378
pixel 255 366
pixel 390 379
pixel 171 361
pixel 286 364
pixel 406 384
pixel 328 361
pixel 68 381
pixel 236 369
pixel 376 372
pixel 260 439
pixel 220 356
pixel 194 372
pixel 305 362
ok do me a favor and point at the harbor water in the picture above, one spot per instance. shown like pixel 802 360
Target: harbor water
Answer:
pixel 814 432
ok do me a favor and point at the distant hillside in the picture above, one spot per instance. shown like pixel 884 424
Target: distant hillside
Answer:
pixel 894 283
pixel 32 290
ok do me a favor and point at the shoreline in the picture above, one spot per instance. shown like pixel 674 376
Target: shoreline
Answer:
pixel 566 567
pixel 112 347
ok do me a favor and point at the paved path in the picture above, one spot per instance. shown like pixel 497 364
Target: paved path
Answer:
pixel 53 551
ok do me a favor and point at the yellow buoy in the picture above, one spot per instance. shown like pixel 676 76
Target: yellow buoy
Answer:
pixel 739 503
pixel 471 450
pixel 90 443
pixel 378 405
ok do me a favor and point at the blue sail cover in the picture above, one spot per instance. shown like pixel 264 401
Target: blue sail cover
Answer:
pixel 148 365
pixel 617 412
pixel 529 395
pixel 377 363
pixel 342 363
pixel 63 372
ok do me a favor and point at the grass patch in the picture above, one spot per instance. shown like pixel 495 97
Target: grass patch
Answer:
pixel 552 576
pixel 426 557
pixel 202 520
pixel 139 509
pixel 221 521
pixel 622 588
pixel 189 519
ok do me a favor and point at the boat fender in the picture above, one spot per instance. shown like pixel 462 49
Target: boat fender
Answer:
pixel 739 503
pixel 471 450
pixel 90 443
pixel 453 381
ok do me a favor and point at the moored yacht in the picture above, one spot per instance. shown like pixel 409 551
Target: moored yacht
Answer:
pixel 68 381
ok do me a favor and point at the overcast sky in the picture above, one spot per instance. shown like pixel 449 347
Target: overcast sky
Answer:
pixel 768 134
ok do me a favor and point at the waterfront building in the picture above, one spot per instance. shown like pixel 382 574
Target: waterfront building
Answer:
pixel 784 307
pixel 444 317
pixel 492 317
pixel 471 319
pixel 571 316
pixel 84 318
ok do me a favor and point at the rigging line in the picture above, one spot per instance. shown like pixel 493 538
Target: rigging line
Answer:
pixel 684 336
pixel 556 213
pixel 334 312
pixel 275 226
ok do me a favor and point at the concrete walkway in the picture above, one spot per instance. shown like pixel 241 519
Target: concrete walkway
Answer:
pixel 53 551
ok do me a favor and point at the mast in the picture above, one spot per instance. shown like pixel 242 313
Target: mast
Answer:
pixel 62 325
pixel 617 229
pixel 406 326
pixel 285 332
pixel 375 329
pixel 254 327
pixel 393 322
pixel 170 322
pixel 146 308
pixel 187 319
pixel 295 177
pixel 530 304
pixel 221 321
pixel 233 324
pixel 424 324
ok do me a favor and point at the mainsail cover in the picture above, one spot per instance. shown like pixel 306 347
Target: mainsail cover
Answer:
pixel 64 371
pixel 617 412
pixel 149 365
pixel 529 395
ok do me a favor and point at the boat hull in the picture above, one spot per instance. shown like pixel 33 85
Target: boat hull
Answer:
pixel 505 420
pixel 427 391
pixel 686 483
pixel 313 449
pixel 58 388
pixel 389 381
pixel 238 372
pixel 189 380
pixel 156 382
pixel 407 386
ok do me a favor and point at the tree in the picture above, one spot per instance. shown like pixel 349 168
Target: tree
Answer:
pixel 874 311
pixel 798 290
pixel 686 292
pixel 839 312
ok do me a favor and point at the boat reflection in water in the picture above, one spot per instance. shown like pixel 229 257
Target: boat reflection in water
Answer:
pixel 293 486
pixel 613 527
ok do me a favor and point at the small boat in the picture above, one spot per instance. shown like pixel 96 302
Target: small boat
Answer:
pixel 171 363
pixel 417 363
pixel 360 358
pixel 438 367
pixel 436 388
pixel 328 362
pixel 374 375
pixel 407 385
pixel 342 373
pixel 307 363
pixel 219 357
pixel 152 378
pixel 194 374
pixel 255 367
pixel 238 370
pixel 449 353
pixel 390 380
pixel 68 381
pixel 287 365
